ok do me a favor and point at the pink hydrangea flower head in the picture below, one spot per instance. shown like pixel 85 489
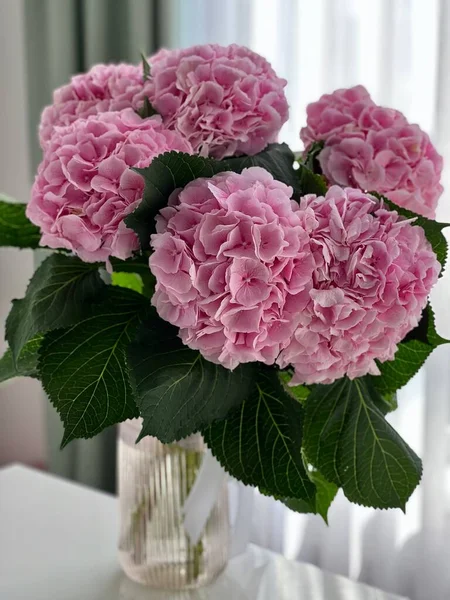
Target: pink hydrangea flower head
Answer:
pixel 103 88
pixel 233 266
pixel 399 162
pixel 375 149
pixel 332 113
pixel 226 100
pixel 374 271
pixel 84 187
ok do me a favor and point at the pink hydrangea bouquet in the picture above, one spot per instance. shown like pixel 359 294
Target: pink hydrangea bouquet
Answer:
pixel 208 280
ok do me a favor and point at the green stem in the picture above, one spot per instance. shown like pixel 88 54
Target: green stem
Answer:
pixel 195 553
pixel 138 518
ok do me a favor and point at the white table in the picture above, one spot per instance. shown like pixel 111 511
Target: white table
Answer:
pixel 58 542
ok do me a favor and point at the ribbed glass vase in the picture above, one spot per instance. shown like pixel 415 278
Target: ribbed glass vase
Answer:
pixel 154 482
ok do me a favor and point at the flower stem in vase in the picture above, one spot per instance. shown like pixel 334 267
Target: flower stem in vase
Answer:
pixel 138 530
pixel 195 552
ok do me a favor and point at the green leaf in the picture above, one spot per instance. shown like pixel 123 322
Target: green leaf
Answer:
pixel 177 391
pixel 15 228
pixel 26 365
pixel 310 158
pixel 325 494
pixel 139 266
pixel 145 67
pixel 147 109
pixel 131 281
pixel 426 330
pixel 84 368
pixel 309 174
pixel 60 293
pixel 347 438
pixel 174 170
pixel 278 159
pixel 387 402
pixel 300 392
pixel 396 373
pixel 311 183
pixel 411 355
pixel 260 442
pixel 432 229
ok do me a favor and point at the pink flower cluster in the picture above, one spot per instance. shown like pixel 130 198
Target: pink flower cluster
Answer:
pixel 233 266
pixel 375 149
pixel 84 186
pixel 225 100
pixel 103 88
pixel 373 273
pixel 335 113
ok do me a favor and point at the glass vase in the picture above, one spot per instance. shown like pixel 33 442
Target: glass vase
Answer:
pixel 154 482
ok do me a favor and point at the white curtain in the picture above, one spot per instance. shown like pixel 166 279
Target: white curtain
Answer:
pixel 400 50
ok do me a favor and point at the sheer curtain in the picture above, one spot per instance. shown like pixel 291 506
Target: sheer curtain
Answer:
pixel 42 43
pixel 401 52
pixel 69 36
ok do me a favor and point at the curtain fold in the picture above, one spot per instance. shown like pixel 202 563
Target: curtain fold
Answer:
pixel 64 37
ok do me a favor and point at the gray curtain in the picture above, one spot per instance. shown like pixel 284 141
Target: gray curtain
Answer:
pixel 65 37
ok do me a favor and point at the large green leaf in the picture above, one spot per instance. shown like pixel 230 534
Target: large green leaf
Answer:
pixel 15 228
pixel 179 392
pixel 60 293
pixel 325 494
pixel 174 170
pixel 26 364
pixel 278 159
pixel 432 229
pixel 84 368
pixel 411 354
pixel 260 442
pixel 396 373
pixel 347 438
